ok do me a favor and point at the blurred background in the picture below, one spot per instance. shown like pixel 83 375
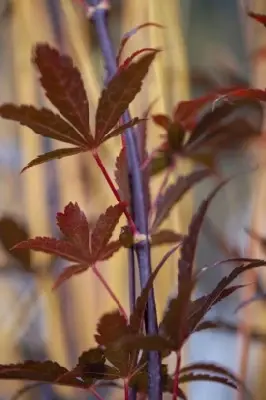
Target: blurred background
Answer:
pixel 207 44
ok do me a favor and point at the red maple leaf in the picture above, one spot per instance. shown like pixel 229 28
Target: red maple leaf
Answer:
pixel 84 243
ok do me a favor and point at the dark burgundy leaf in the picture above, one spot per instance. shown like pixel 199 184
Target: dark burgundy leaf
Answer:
pixel 53 155
pixel 64 87
pixel 195 377
pixel 43 122
pixel 121 176
pixel 148 343
pixel 165 236
pixel 218 292
pixel 12 233
pixel 132 56
pixel 47 371
pixel 119 93
pixel 174 193
pixel 216 369
pixel 104 229
pixel 111 328
pixel 137 315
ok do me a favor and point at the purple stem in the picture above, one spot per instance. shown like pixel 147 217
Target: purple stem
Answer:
pixel 138 205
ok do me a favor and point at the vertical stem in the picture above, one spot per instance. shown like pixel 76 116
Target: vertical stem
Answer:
pixel 138 204
pixel 126 390
pixel 176 376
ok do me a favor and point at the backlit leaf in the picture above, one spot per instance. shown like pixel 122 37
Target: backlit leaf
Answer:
pixel 11 232
pixel 174 193
pixel 165 236
pixel 63 86
pixel 52 155
pixel 60 248
pixel 119 93
pixel 43 122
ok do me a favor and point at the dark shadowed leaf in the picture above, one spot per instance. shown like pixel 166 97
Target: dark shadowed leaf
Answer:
pixel 228 126
pixel 129 34
pixel 160 163
pixel 174 193
pixel 221 291
pixel 134 55
pixel 121 176
pixel 111 327
pixel 11 233
pixel 137 315
pixel 63 86
pixel 52 155
pixel 43 122
pixel 261 18
pixel 121 129
pixel 119 93
pixel 91 364
pixel 148 343
pixel 165 236
pixel 196 377
pixel 215 369
pixel 47 371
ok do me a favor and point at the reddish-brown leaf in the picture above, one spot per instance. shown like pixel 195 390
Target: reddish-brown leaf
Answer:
pixel 261 18
pixel 47 371
pixel 162 120
pixel 110 328
pixel 74 225
pixel 121 176
pixel 129 34
pixel 119 93
pixel 63 86
pixel 121 129
pixel 137 315
pixel 60 248
pixel 69 272
pixel 11 233
pixel 110 249
pixel 43 122
pixel 165 236
pixel 174 193
pixel 104 229
pixel 53 155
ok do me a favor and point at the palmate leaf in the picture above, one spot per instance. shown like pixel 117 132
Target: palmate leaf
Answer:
pixel 174 193
pixel 63 86
pixel 121 129
pixel 91 365
pixel 84 244
pixel 119 93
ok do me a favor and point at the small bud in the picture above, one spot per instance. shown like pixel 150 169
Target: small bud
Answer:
pixel 126 238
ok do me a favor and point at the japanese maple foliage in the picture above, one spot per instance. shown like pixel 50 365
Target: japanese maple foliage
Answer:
pixel 123 344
